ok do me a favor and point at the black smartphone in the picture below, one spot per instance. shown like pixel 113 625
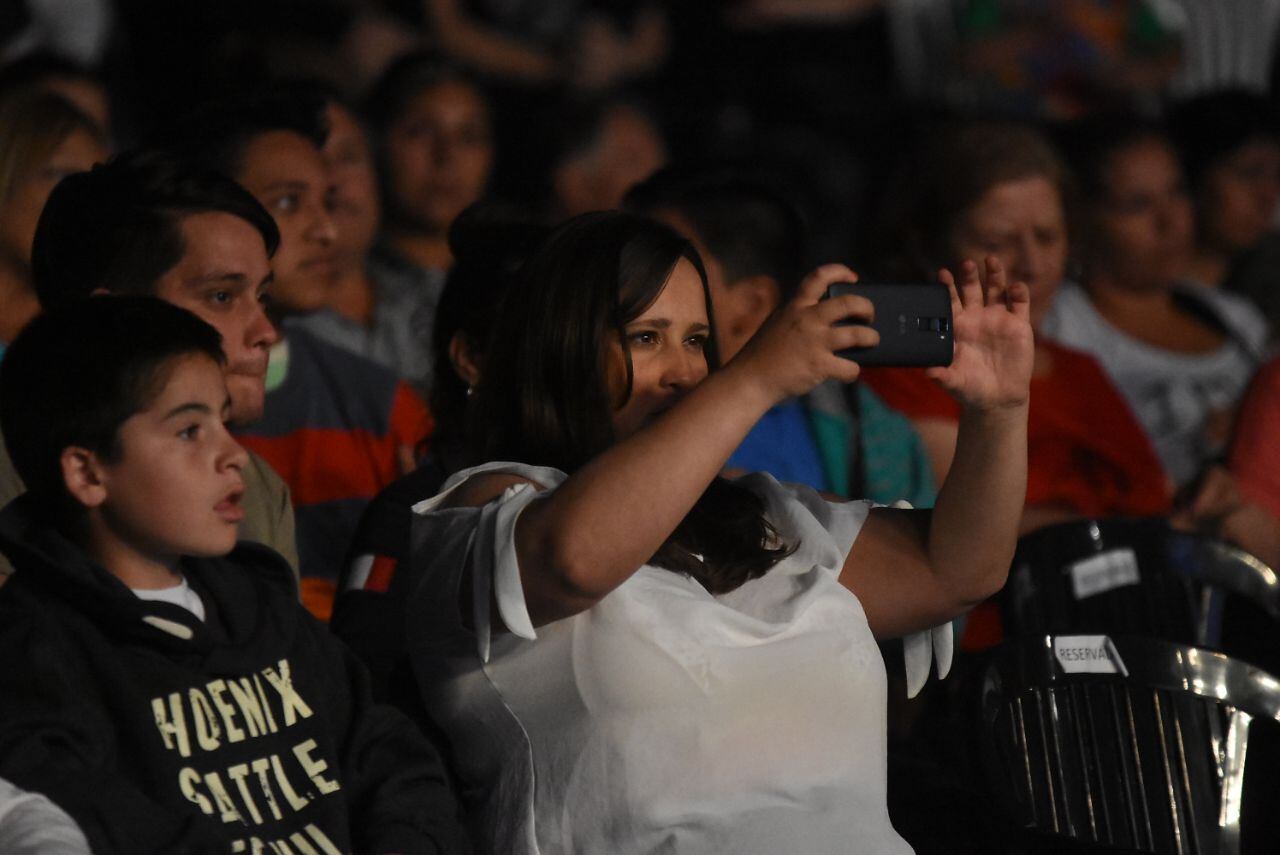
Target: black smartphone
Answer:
pixel 913 319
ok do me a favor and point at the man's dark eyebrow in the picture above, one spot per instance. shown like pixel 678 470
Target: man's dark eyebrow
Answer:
pixel 267 280
pixel 188 407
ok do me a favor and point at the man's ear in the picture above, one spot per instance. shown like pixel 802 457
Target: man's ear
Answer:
pixel 83 476
pixel 755 298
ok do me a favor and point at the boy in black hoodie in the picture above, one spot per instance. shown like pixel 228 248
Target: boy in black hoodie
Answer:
pixel 158 681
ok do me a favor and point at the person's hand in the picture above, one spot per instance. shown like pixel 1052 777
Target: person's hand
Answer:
pixel 796 348
pixel 1208 502
pixel 994 345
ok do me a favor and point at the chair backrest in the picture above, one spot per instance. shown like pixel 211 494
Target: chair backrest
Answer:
pixel 1099 576
pixel 1140 577
pixel 1134 743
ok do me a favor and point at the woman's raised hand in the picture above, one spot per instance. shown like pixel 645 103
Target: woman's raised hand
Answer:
pixel 994 346
pixel 796 349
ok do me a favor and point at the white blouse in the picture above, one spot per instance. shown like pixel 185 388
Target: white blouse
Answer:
pixel 662 719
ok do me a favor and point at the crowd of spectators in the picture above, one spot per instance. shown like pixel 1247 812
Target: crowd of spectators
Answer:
pixel 502 325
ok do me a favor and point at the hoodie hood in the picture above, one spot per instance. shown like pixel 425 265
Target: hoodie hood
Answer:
pixel 248 594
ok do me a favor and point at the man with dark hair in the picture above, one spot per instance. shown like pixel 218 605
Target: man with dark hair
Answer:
pixel 163 685
pixel 150 223
pixel 838 438
pixel 336 426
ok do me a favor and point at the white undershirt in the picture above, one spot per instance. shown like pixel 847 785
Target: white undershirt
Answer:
pixel 180 594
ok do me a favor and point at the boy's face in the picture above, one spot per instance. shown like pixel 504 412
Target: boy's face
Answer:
pixel 288 175
pixel 222 279
pixel 175 489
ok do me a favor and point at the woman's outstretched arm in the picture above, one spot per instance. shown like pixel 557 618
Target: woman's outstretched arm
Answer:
pixel 916 569
pixel 589 535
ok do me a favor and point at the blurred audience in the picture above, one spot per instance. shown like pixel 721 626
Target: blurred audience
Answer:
pixel 1180 354
pixel 43 138
pixel 1227 44
pixel 1229 142
pixel 975 190
pixel 375 308
pixel 604 149
pixel 978 190
pixel 589 45
pixel 1030 59
pixel 434 142
pixel 76 83
pixel 337 427
pixel 79 30
pixel 1230 146
pixel 1254 462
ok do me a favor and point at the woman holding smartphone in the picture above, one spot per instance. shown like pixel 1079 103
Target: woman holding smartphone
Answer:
pixel 631 654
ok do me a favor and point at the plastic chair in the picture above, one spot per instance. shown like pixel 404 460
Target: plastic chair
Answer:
pixel 1176 752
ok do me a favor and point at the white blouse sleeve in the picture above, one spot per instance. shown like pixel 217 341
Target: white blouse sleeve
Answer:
pixel 482 540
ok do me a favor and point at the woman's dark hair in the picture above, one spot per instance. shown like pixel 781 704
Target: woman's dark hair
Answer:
pixel 544 398
pixel 489 244
pixel 948 173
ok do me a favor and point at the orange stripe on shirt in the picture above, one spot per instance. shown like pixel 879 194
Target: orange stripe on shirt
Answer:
pixel 326 464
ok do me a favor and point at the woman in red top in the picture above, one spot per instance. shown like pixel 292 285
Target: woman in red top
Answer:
pixel 980 190
pixel 987 189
